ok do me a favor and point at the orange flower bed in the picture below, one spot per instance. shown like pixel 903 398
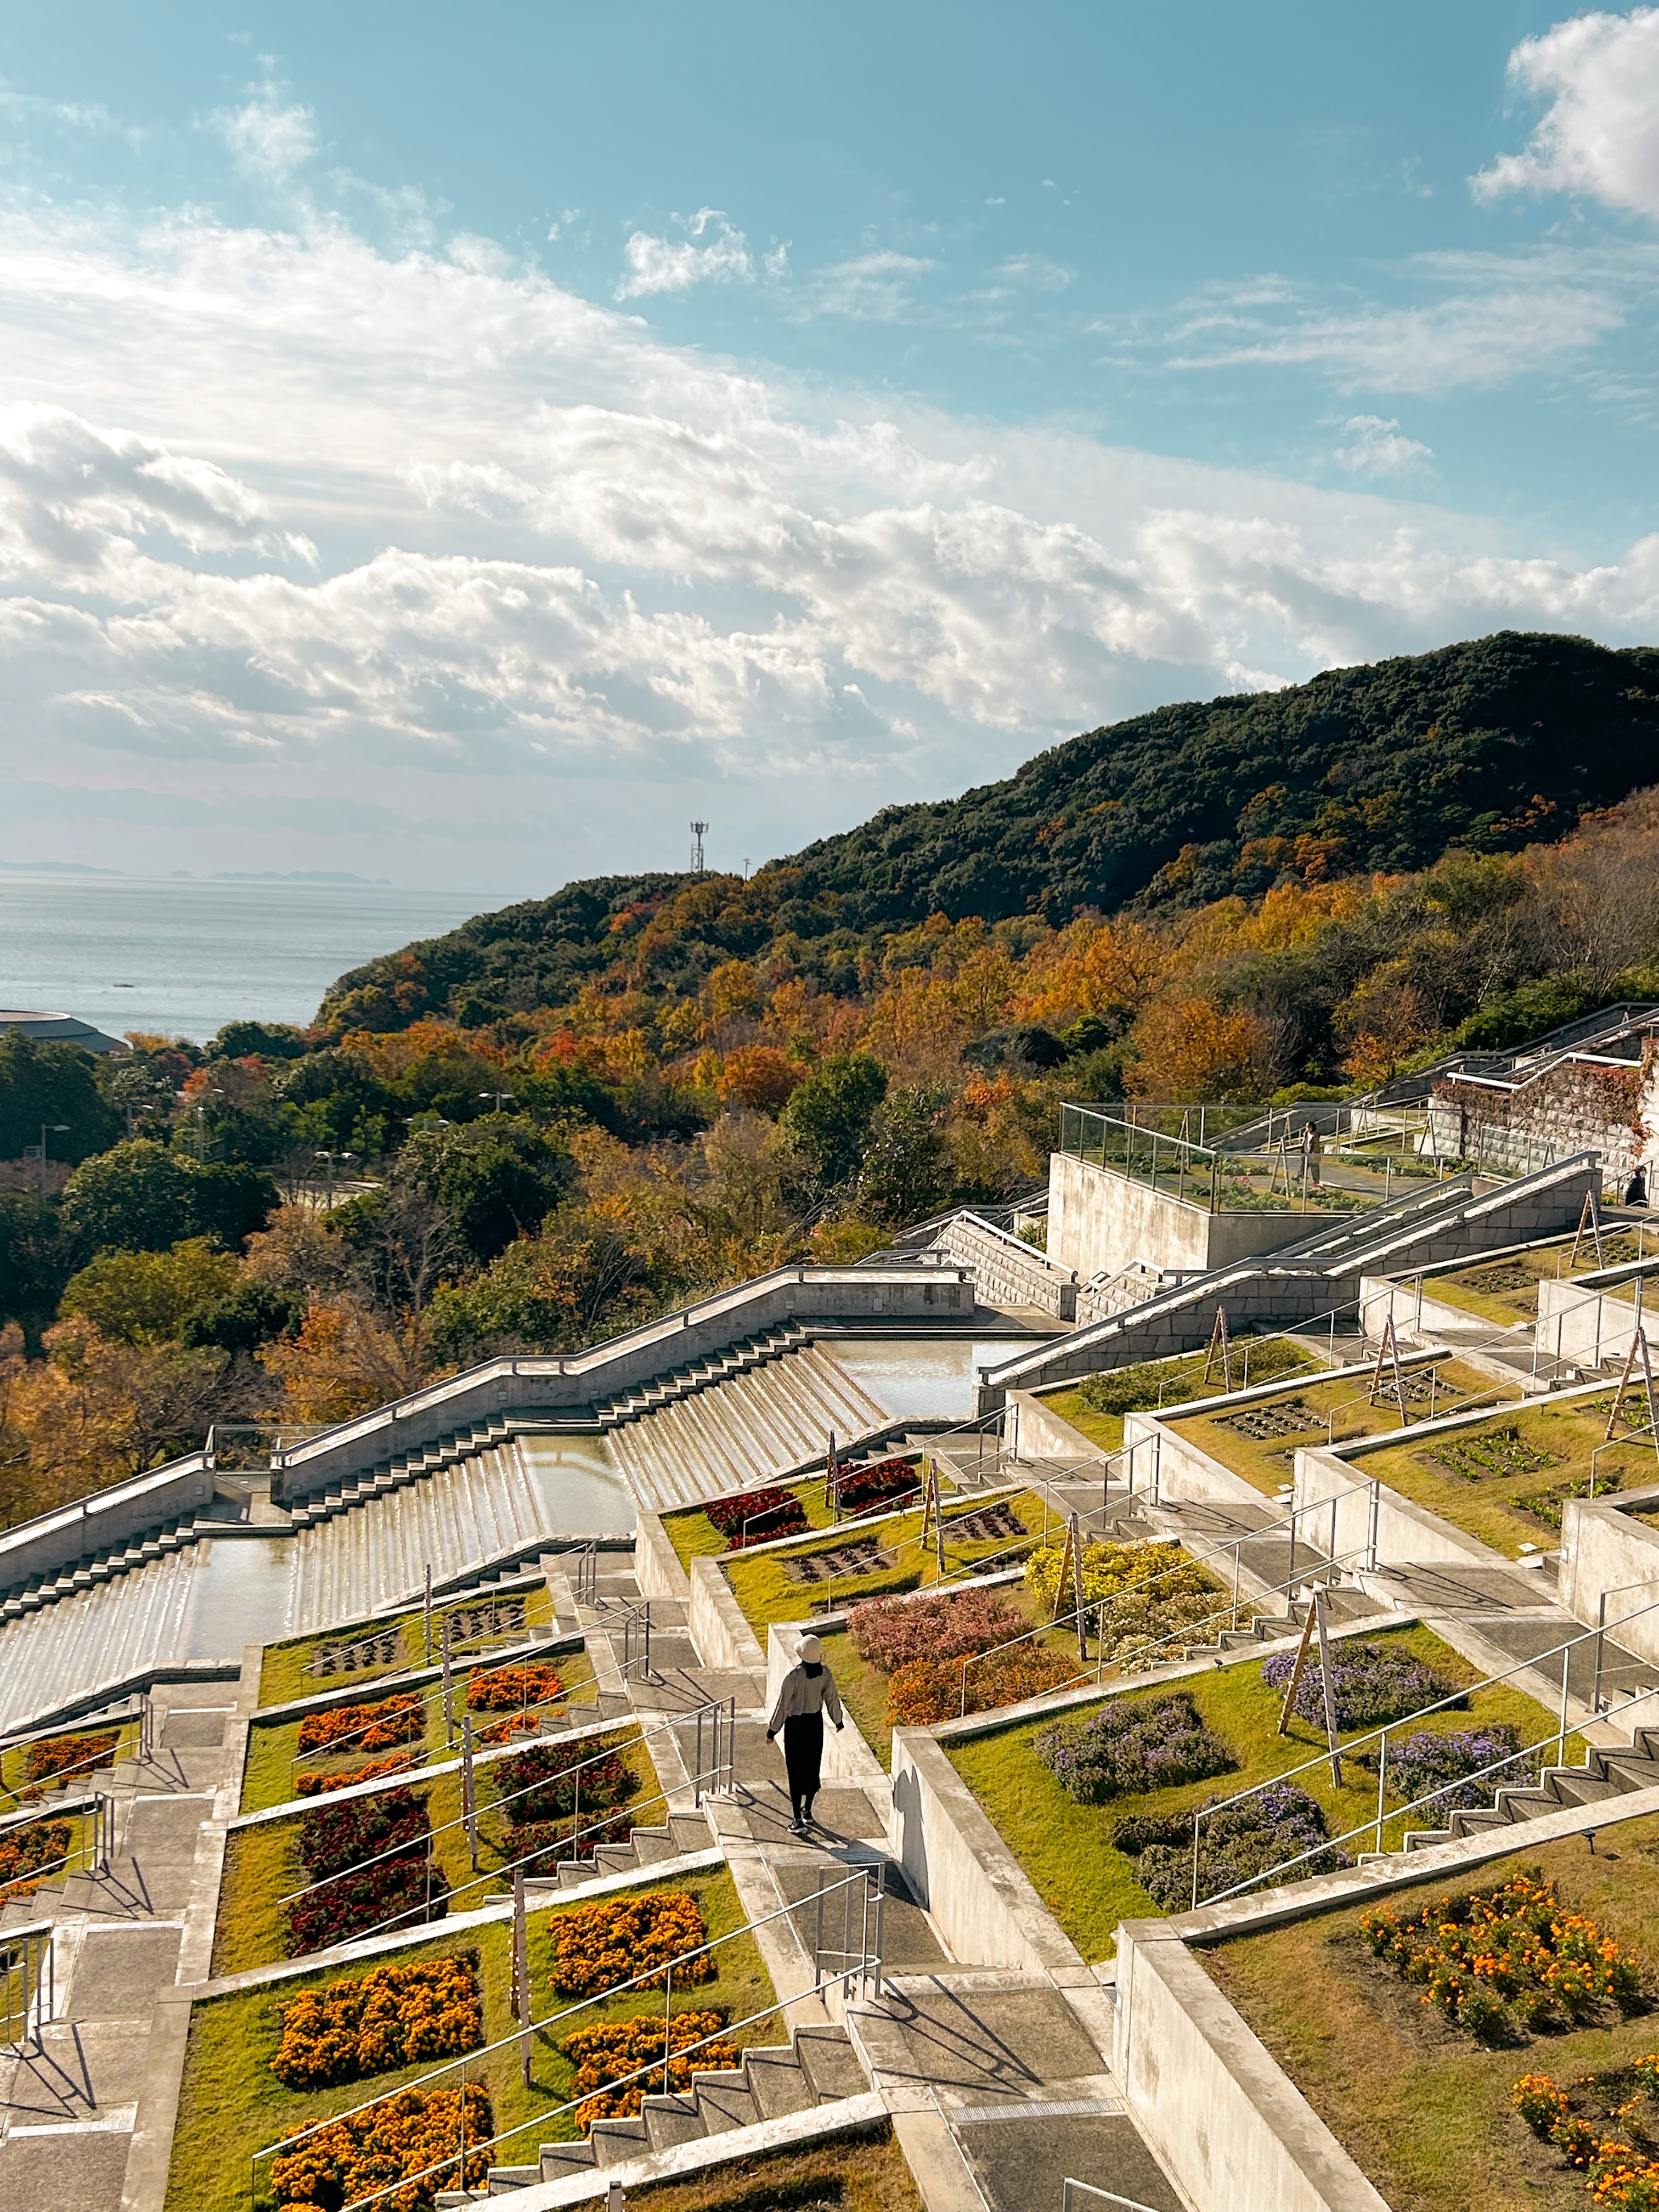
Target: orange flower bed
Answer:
pixel 37 1848
pixel 603 2055
pixel 56 1754
pixel 372 2149
pixel 515 1724
pixel 503 1687
pixel 930 1690
pixel 365 1728
pixel 601 1946
pixel 310 1785
pixel 393 2017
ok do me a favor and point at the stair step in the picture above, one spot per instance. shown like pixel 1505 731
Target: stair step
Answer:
pixel 726 2101
pixel 672 2119
pixel 776 2082
pixel 829 2063
pixel 560 2159
pixel 615 2142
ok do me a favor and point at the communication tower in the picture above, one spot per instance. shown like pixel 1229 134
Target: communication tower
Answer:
pixel 698 831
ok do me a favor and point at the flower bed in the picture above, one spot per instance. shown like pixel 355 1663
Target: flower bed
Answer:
pixel 377 1727
pixel 309 1783
pixel 504 1687
pixel 1371 1683
pixel 1513 1955
pixel 370 2151
pixel 601 1946
pixel 1424 1763
pixel 1615 2172
pixel 603 2055
pixel 538 1846
pixel 334 1837
pixel 879 1485
pixel 1235 1847
pixel 1134 1745
pixel 392 2016
pixel 889 1632
pixel 58 1755
pixel 392 1829
pixel 35 1850
pixel 541 1784
pixel 931 1690
pixel 757 1516
pixel 1137 1595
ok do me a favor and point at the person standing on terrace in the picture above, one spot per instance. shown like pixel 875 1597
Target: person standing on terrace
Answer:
pixel 807 1691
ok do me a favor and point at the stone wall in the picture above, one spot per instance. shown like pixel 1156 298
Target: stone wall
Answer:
pixel 1573 1107
pixel 1007 1272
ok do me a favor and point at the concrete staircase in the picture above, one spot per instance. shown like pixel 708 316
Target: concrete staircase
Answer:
pixel 393 1473
pixel 1607 1772
pixel 101 1566
pixel 1341 1607
pixel 741 1430
pixel 356 1556
pixel 684 1382
pixel 648 1847
pixel 817 2066
pixel 100 1636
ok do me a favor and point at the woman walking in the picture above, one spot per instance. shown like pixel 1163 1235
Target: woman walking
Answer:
pixel 807 1689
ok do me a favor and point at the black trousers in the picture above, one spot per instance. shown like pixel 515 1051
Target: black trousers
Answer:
pixel 802 1755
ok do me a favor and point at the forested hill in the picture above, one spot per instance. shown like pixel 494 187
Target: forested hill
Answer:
pixel 1491 745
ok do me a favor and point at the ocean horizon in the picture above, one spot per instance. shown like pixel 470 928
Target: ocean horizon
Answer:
pixel 185 956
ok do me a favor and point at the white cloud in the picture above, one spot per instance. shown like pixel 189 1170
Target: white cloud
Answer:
pixel 1035 269
pixel 269 139
pixel 870 287
pixel 1600 135
pixel 1378 448
pixel 662 265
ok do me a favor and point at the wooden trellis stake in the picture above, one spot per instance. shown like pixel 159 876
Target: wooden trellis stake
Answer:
pixel 1065 1558
pixel 832 1480
pixel 933 1510
pixel 1390 1350
pixel 1329 1689
pixel 1220 1342
pixel 1638 1343
pixel 1589 1217
pixel 1074 1538
pixel 1295 1682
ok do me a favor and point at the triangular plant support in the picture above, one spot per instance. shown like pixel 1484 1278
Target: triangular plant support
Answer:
pixel 1388 1349
pixel 1220 1342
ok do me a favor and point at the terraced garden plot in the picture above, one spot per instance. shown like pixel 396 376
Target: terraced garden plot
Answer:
pixel 232 2104
pixel 60 1761
pixel 1503 1479
pixel 1260 1442
pixel 860 2172
pixel 694 1536
pixel 369 1650
pixel 263 1865
pixel 767 1590
pixel 1096 1406
pixel 1066 1847
pixel 276 1761
pixel 1424 2108
pixel 1505 1290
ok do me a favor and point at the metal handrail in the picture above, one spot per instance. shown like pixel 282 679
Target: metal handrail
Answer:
pixel 143 1712
pixel 869 1964
pixel 1454 1698
pixel 1099 2196
pixel 20 1949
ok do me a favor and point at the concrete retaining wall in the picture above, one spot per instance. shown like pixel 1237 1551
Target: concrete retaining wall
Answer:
pixel 1099 1221
pixel 1605 1549
pixel 723 1637
pixel 109 1518
pixel 1339 1506
pixel 959 1868
pixel 580 1380
pixel 656 1563
pixel 1587 1326
pixel 1007 1272
pixel 1233 2132
pixel 1034 1430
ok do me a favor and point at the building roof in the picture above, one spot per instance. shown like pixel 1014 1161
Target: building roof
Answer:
pixel 59 1029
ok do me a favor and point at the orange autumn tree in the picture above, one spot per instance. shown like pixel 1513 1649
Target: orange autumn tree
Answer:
pixel 1189 1049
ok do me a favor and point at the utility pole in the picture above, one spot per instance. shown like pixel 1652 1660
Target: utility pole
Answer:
pixel 57 1129
pixel 699 829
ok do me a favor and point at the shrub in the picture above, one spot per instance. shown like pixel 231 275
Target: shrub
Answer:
pixel 1510 1947
pixel 504 1687
pixel 1143 1388
pixel 1436 1767
pixel 603 2055
pixel 401 1891
pixel 1540 2103
pixel 55 1754
pixel 930 1689
pixel 599 1947
pixel 1132 1746
pixel 310 1785
pixel 868 1486
pixel 392 2016
pixel 1372 1683
pixel 541 1784
pixel 35 1850
pixel 888 1633
pixel 1246 1843
pixel 757 1516
pixel 375 1727
pixel 365 2151
pixel 334 1837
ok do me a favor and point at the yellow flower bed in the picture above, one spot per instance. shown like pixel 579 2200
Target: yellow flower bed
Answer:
pixel 602 1946
pixel 393 2017
pixel 1108 1569
pixel 366 2151
pixel 603 2055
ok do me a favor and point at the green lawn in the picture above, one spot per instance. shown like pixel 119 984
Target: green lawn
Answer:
pixel 1537 1453
pixel 766 1592
pixel 1096 1406
pixel 262 1865
pixel 1423 2109
pixel 283 1674
pixel 231 2105
pixel 273 1754
pixel 1065 1848
pixel 860 2172
pixel 1340 1408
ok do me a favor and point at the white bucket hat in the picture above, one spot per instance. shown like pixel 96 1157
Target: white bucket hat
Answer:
pixel 809 1650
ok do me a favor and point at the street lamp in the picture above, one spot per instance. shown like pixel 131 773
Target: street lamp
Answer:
pixel 57 1129
pixel 498 1096
pixel 330 1157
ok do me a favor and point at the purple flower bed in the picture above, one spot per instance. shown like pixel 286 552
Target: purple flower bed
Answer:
pixel 1134 1746
pixel 1374 1684
pixel 1246 1843
pixel 1442 1763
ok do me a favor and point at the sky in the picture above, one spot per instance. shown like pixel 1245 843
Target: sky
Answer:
pixel 465 446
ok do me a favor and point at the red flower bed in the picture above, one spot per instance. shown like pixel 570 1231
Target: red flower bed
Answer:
pixel 405 1890
pixel 879 1485
pixel 335 1837
pixel 888 1632
pixel 757 1516
pixel 504 1687
pixel 541 1784
pixel 316 1785
pixel 370 2151
pixel 375 1727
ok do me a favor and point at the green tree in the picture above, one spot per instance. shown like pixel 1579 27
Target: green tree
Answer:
pixel 52 1084
pixel 496 1180
pixel 907 1168
pixel 147 1297
pixel 260 1039
pixel 829 1117
pixel 35 1261
pixel 139 1196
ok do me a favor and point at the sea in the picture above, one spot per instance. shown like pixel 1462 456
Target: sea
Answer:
pixel 184 957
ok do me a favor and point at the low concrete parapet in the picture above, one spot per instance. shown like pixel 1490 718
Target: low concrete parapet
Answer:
pixel 724 1638
pixel 1607 1554
pixel 657 1566
pixel 117 1515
